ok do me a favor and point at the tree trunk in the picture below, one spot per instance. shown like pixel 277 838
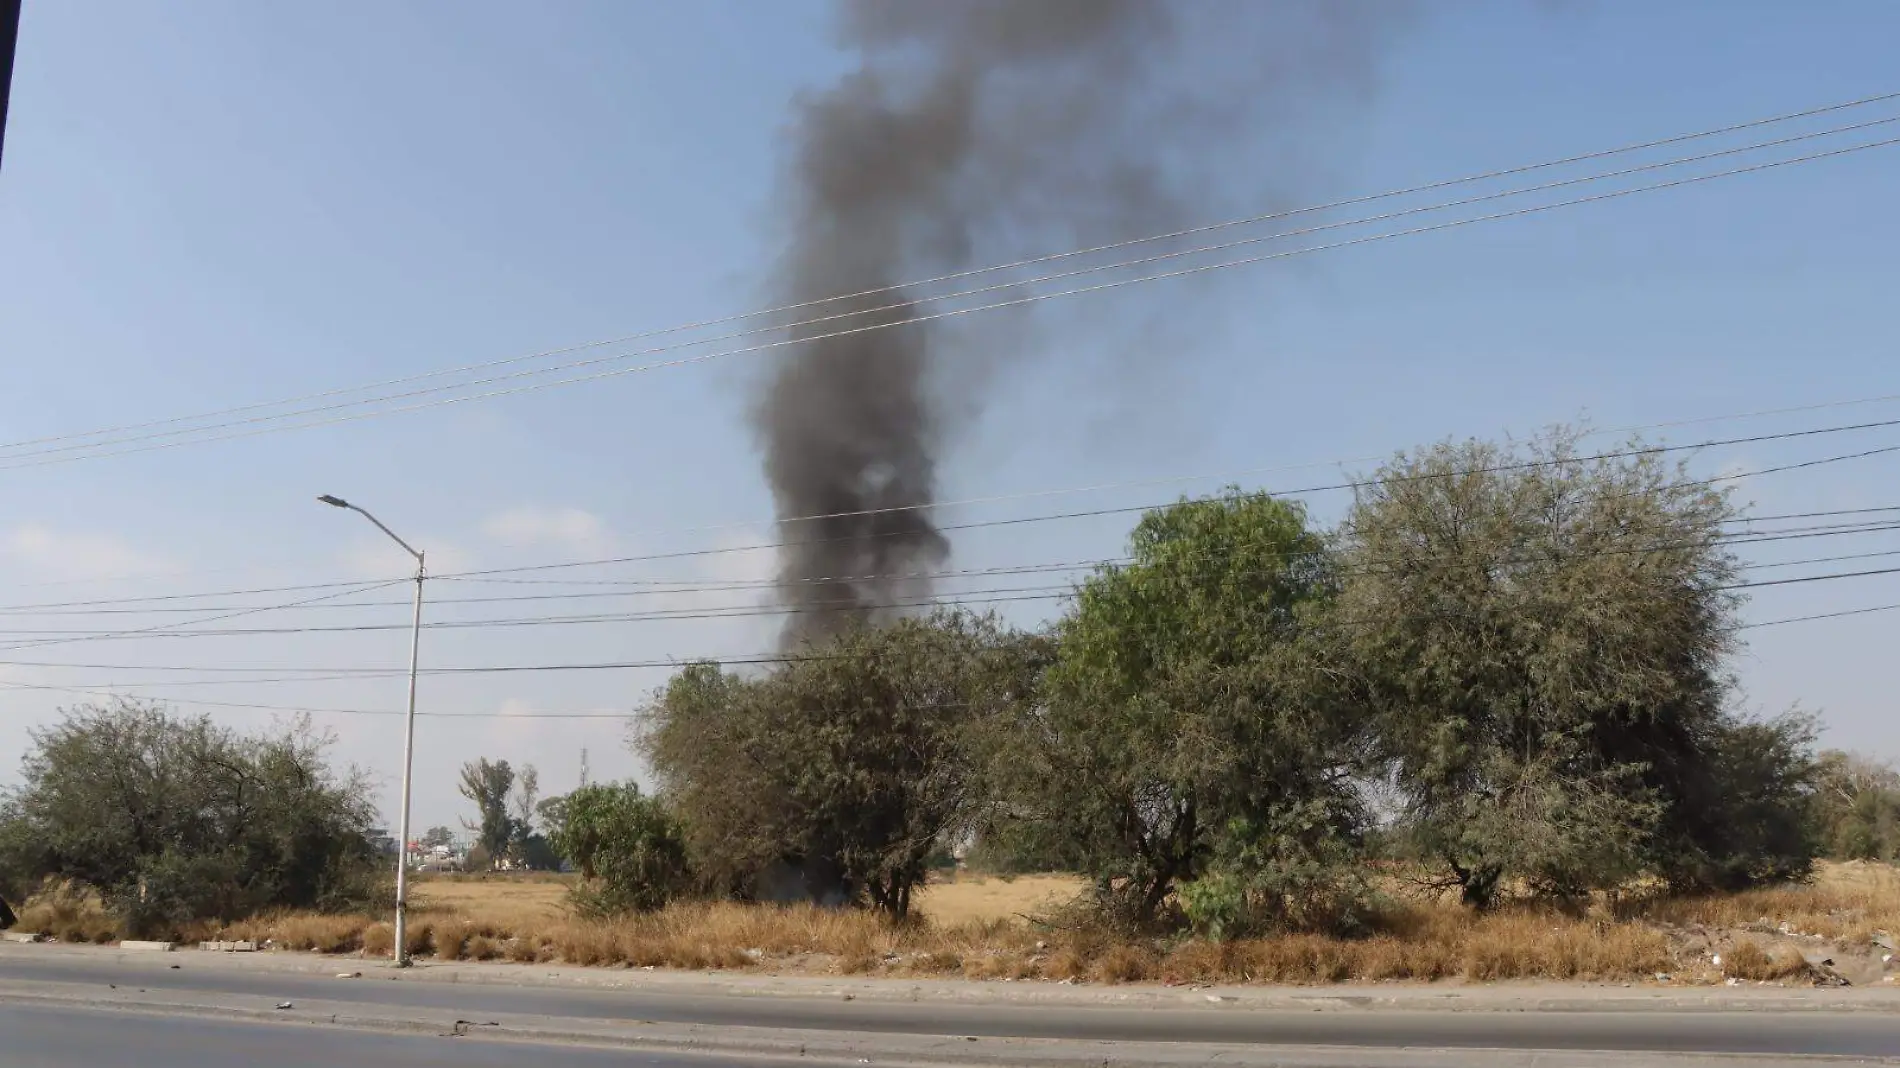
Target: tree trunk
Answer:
pixel 1151 900
pixel 1478 884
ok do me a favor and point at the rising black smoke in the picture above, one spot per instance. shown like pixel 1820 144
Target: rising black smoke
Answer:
pixel 971 131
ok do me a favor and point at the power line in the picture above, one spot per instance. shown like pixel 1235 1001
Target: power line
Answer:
pixel 38 460
pixel 630 714
pixel 906 305
pixel 799 658
pixel 1811 578
pixel 468 575
pixel 1227 476
pixel 1822 615
pixel 1523 465
pixel 169 630
pixel 659 615
pixel 165 630
pixel 191 596
pixel 250 706
pixel 1000 595
pixel 393 671
pixel 1820 560
pixel 971 273
pixel 484 574
pixel 667 587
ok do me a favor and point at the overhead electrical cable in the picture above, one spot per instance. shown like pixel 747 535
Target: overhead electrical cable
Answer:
pixel 979 271
pixel 37 459
pixel 997 595
pixel 163 629
pixel 392 671
pixel 662 588
pixel 1224 476
pixel 167 629
pixel 484 574
pixel 905 305
pixel 674 663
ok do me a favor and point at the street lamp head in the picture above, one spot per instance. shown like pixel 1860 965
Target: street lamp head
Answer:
pixel 334 502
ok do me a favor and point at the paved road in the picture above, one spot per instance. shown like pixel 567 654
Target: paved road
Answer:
pixel 1863 1034
pixel 42 1037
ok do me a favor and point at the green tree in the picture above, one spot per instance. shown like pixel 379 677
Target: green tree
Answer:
pixel 848 767
pixel 1857 807
pixel 527 847
pixel 1185 733
pixel 1754 821
pixel 629 850
pixel 1541 635
pixel 173 818
pixel 487 783
pixel 1011 845
pixel 552 814
pixel 710 740
pixel 437 836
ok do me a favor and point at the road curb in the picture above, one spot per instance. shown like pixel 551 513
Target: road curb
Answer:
pixel 816 1047
pixel 1428 998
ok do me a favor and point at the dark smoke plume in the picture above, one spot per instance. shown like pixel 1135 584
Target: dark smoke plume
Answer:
pixel 972 132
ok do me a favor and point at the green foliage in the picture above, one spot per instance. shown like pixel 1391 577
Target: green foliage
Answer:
pixel 1007 846
pixel 629 849
pixel 1184 721
pixel 487 783
pixel 847 767
pixel 552 814
pixel 1540 635
pixel 437 836
pixel 526 848
pixel 173 818
pixel 1856 807
pixel 25 857
pixel 1518 649
pixel 1548 823
pixel 1293 867
pixel 1754 821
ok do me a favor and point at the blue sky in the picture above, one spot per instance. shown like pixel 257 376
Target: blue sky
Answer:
pixel 212 204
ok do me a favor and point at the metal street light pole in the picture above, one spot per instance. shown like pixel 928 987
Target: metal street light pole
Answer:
pixel 408 737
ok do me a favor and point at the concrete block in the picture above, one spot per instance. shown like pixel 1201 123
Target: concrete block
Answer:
pixel 22 936
pixel 152 947
pixel 229 947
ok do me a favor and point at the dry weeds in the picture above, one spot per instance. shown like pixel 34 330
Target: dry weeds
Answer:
pixel 1749 961
pixel 976 928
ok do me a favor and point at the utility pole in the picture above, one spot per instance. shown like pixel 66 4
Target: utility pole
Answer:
pixel 583 767
pixel 9 43
pixel 408 736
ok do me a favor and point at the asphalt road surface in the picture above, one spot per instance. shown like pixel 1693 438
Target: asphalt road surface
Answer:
pixel 40 1037
pixel 1763 1034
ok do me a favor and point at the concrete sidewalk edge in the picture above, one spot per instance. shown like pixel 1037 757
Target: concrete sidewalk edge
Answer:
pixel 1408 997
pixel 922 1051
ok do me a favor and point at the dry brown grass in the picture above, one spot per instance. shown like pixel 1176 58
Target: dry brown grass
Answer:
pixel 1846 902
pixel 503 897
pixel 976 928
pixel 970 898
pixel 1748 960
pixel 306 931
pixel 68 913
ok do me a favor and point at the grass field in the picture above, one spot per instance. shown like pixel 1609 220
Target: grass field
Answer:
pixel 983 929
pixel 512 899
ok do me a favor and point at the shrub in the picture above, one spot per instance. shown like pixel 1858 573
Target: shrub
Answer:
pixel 629 849
pixel 174 819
